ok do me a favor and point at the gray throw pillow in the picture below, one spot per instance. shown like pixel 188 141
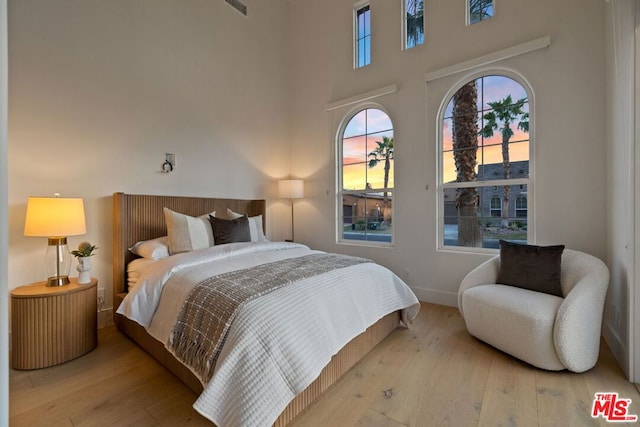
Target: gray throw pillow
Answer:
pixel 230 230
pixel 536 268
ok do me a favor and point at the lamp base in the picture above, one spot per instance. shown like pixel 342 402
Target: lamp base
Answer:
pixel 58 281
pixel 58 261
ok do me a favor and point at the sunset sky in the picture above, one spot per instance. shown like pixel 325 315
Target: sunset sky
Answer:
pixel 369 126
pixel 360 137
pixel 490 89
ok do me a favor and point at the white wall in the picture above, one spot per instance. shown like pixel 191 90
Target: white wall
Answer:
pixel 100 90
pixel 621 164
pixel 567 80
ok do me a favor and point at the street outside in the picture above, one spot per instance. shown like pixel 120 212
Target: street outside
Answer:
pixel 450 237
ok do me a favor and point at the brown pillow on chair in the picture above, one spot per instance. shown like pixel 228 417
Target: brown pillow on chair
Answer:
pixel 230 230
pixel 536 268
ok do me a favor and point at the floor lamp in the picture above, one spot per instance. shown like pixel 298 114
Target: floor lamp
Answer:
pixel 291 189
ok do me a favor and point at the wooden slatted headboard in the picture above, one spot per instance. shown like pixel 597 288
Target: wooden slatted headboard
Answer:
pixel 141 217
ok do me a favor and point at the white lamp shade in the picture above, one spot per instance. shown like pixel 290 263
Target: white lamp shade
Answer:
pixel 291 188
pixel 54 216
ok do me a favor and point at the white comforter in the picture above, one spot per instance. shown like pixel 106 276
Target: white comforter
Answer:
pixel 279 343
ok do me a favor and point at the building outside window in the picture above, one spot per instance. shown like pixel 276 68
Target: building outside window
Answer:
pixel 366 178
pixel 362 31
pixel 484 164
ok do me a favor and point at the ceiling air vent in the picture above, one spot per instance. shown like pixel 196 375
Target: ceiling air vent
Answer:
pixel 238 5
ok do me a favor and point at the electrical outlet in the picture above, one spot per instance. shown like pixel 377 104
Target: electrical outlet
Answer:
pixel 100 298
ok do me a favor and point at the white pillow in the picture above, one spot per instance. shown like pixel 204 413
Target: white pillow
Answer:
pixel 186 233
pixel 151 249
pixel 255 225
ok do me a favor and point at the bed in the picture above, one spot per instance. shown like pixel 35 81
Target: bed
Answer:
pixel 139 218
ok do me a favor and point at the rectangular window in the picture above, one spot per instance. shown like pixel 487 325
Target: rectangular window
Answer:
pixel 479 10
pixel 495 222
pixel 362 45
pixel 367 217
pixel 413 12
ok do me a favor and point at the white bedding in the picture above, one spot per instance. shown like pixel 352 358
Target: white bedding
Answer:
pixel 279 343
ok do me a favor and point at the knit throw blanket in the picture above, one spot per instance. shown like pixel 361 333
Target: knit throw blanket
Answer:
pixel 210 308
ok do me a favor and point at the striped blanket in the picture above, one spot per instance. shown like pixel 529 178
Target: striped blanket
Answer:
pixel 208 312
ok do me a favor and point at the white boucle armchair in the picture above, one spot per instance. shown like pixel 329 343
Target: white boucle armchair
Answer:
pixel 547 331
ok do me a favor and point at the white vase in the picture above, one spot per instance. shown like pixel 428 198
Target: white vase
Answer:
pixel 84 270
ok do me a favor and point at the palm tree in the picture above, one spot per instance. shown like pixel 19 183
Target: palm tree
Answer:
pixel 465 149
pixel 415 22
pixel 383 151
pixel 505 112
pixel 479 10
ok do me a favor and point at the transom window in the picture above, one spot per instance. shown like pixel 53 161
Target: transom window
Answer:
pixel 362 45
pixel 479 10
pixel 484 167
pixel 413 12
pixel 365 172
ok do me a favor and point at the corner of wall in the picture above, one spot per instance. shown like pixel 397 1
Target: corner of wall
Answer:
pixel 450 299
pixel 617 345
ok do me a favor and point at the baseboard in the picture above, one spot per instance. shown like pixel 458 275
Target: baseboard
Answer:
pixel 433 296
pixel 617 345
pixel 105 317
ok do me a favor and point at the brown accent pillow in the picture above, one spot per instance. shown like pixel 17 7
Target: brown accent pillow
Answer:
pixel 536 268
pixel 230 230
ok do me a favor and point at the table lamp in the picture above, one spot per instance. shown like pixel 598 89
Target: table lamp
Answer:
pixel 291 189
pixel 55 218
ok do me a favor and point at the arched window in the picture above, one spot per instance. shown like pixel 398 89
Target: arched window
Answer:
pixel 484 163
pixel 496 206
pixel 521 207
pixel 365 177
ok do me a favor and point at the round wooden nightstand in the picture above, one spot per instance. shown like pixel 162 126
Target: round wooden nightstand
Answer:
pixel 52 325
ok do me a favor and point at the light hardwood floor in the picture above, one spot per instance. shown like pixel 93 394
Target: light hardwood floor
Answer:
pixel 434 374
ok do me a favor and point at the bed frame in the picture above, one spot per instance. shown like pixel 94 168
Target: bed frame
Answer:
pixel 141 217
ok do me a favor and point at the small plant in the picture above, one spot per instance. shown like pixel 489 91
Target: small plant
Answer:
pixel 85 249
